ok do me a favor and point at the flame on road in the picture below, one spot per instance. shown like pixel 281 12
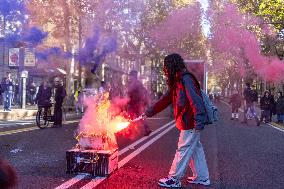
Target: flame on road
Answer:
pixel 101 119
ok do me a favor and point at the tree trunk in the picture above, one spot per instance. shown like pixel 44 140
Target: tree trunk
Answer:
pixel 80 47
pixel 69 67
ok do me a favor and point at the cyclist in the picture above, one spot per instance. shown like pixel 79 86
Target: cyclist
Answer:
pixel 250 96
pixel 43 96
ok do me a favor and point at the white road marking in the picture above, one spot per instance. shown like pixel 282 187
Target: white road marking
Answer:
pixel 98 180
pixel 71 181
pixel 132 146
pixel 17 131
pixel 94 182
pixel 143 147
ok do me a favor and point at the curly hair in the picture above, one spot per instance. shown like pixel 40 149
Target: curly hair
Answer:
pixel 173 64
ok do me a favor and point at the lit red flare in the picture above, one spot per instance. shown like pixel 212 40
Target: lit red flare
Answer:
pixel 99 124
pixel 122 125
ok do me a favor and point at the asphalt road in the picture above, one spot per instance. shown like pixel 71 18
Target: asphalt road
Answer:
pixel 238 156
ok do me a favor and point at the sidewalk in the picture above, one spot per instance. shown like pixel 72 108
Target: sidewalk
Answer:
pixel 17 113
pixel 29 112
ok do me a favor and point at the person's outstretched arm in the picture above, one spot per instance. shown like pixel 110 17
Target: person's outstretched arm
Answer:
pixel 160 105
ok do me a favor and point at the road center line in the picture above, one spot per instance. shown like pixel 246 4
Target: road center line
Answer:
pixel 131 146
pixel 70 182
pixel 10 132
pixel 94 182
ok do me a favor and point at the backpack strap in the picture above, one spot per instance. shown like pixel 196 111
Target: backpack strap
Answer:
pixel 194 78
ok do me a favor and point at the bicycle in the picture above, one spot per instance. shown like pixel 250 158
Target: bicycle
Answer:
pixel 44 115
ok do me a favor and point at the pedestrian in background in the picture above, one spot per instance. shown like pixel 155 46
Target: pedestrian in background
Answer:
pixel 265 106
pixel 32 93
pixel 272 105
pixel 189 112
pixel 280 107
pixel 60 94
pixel 250 97
pixel 79 101
pixel 236 102
pixel 138 99
pixel 105 87
pixel 16 94
pixel 7 86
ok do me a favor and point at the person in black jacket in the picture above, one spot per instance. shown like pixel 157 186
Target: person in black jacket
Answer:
pixel 236 101
pixel 265 106
pixel 59 96
pixel 280 107
pixel 250 97
pixel 272 106
pixel 43 96
pixel 7 86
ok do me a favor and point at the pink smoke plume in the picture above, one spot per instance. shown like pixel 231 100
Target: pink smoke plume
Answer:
pixel 232 38
pixel 180 23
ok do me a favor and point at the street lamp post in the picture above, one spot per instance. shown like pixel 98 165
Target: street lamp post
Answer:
pixel 24 76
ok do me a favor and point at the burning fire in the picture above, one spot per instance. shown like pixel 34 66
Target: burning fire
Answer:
pixel 122 125
pixel 100 123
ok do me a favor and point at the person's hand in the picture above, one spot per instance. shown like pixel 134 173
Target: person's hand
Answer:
pixel 149 112
pixel 143 116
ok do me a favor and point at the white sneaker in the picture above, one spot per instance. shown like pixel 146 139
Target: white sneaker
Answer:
pixel 169 182
pixel 193 180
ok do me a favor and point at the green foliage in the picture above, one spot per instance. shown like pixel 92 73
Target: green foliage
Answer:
pixel 272 11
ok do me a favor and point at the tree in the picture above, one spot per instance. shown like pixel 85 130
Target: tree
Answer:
pixel 272 11
pixel 235 43
pixel 272 14
pixel 180 31
pixel 13 16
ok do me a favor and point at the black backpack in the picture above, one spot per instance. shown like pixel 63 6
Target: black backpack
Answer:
pixel 253 95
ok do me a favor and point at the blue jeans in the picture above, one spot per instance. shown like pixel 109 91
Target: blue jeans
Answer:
pixel 250 107
pixel 190 152
pixel 7 100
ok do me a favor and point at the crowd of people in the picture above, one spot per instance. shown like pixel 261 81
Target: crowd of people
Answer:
pixel 9 90
pixel 268 104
